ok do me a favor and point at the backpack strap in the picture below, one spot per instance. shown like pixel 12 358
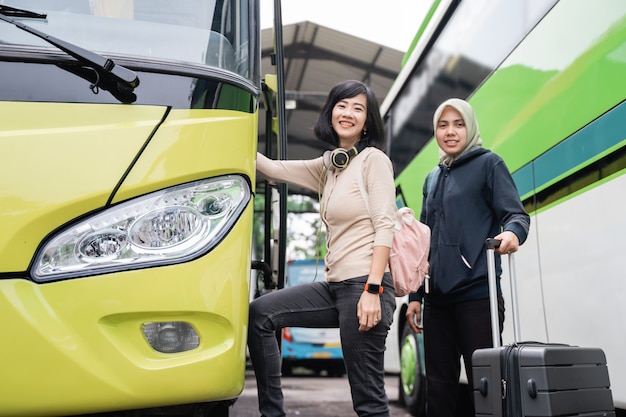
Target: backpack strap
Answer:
pixel 362 187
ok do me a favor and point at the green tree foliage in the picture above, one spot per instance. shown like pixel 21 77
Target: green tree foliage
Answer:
pixel 306 236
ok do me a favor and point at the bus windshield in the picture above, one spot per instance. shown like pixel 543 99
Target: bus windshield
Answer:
pixel 200 32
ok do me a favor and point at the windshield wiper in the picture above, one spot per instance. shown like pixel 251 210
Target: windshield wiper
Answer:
pixel 125 80
pixel 15 12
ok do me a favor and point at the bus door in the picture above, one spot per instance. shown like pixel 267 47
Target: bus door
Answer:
pixel 274 196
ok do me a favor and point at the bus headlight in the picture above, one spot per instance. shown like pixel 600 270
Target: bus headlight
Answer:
pixel 165 227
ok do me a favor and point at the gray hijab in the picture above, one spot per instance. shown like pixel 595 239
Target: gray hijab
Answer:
pixel 471 124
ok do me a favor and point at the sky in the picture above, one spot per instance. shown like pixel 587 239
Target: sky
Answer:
pixel 394 26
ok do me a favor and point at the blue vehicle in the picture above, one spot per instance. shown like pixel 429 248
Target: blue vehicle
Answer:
pixel 315 349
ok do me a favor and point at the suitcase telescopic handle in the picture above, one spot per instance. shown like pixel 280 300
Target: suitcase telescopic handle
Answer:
pixel 490 245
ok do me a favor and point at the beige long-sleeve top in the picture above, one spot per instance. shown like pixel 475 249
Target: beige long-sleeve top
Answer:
pixel 351 232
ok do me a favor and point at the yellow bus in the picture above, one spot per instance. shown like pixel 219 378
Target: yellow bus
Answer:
pixel 127 147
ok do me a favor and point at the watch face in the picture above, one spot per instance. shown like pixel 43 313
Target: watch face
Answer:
pixel 373 288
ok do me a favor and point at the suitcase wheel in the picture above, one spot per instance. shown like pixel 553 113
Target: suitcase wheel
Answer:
pixel 531 386
pixel 483 387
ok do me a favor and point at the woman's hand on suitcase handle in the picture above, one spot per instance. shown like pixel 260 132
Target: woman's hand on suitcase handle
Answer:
pixel 509 243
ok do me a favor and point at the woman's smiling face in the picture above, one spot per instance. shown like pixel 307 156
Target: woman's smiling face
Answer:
pixel 348 119
pixel 451 131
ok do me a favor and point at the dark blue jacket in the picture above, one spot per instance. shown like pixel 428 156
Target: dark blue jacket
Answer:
pixel 464 204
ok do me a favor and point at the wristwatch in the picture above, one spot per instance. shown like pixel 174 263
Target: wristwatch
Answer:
pixel 373 288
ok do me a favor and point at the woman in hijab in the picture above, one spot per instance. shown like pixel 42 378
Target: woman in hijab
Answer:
pixel 469 197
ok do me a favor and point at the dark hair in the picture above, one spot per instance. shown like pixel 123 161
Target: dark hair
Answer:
pixel 323 128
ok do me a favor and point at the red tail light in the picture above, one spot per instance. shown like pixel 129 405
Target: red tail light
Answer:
pixel 287 334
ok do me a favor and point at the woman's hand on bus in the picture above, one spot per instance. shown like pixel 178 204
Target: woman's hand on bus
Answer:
pixel 509 243
pixel 414 316
pixel 368 311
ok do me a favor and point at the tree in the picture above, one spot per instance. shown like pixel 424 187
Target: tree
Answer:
pixel 306 238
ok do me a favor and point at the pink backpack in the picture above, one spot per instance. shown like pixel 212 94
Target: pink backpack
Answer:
pixel 408 260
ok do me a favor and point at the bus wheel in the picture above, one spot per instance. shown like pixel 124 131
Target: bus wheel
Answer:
pixel 412 384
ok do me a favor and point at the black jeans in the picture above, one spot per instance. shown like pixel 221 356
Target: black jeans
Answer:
pixel 452 331
pixel 322 305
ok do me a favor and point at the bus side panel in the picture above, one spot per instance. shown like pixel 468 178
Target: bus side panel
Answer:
pixel 582 266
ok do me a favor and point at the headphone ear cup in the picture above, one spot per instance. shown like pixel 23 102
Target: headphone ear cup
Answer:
pixel 340 158
pixel 327 158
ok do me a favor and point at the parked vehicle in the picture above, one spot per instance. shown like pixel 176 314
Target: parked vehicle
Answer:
pixel 546 81
pixel 315 349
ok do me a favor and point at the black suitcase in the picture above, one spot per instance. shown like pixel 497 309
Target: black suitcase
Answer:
pixel 536 379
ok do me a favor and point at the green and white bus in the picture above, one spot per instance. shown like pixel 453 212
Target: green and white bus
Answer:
pixel 547 82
